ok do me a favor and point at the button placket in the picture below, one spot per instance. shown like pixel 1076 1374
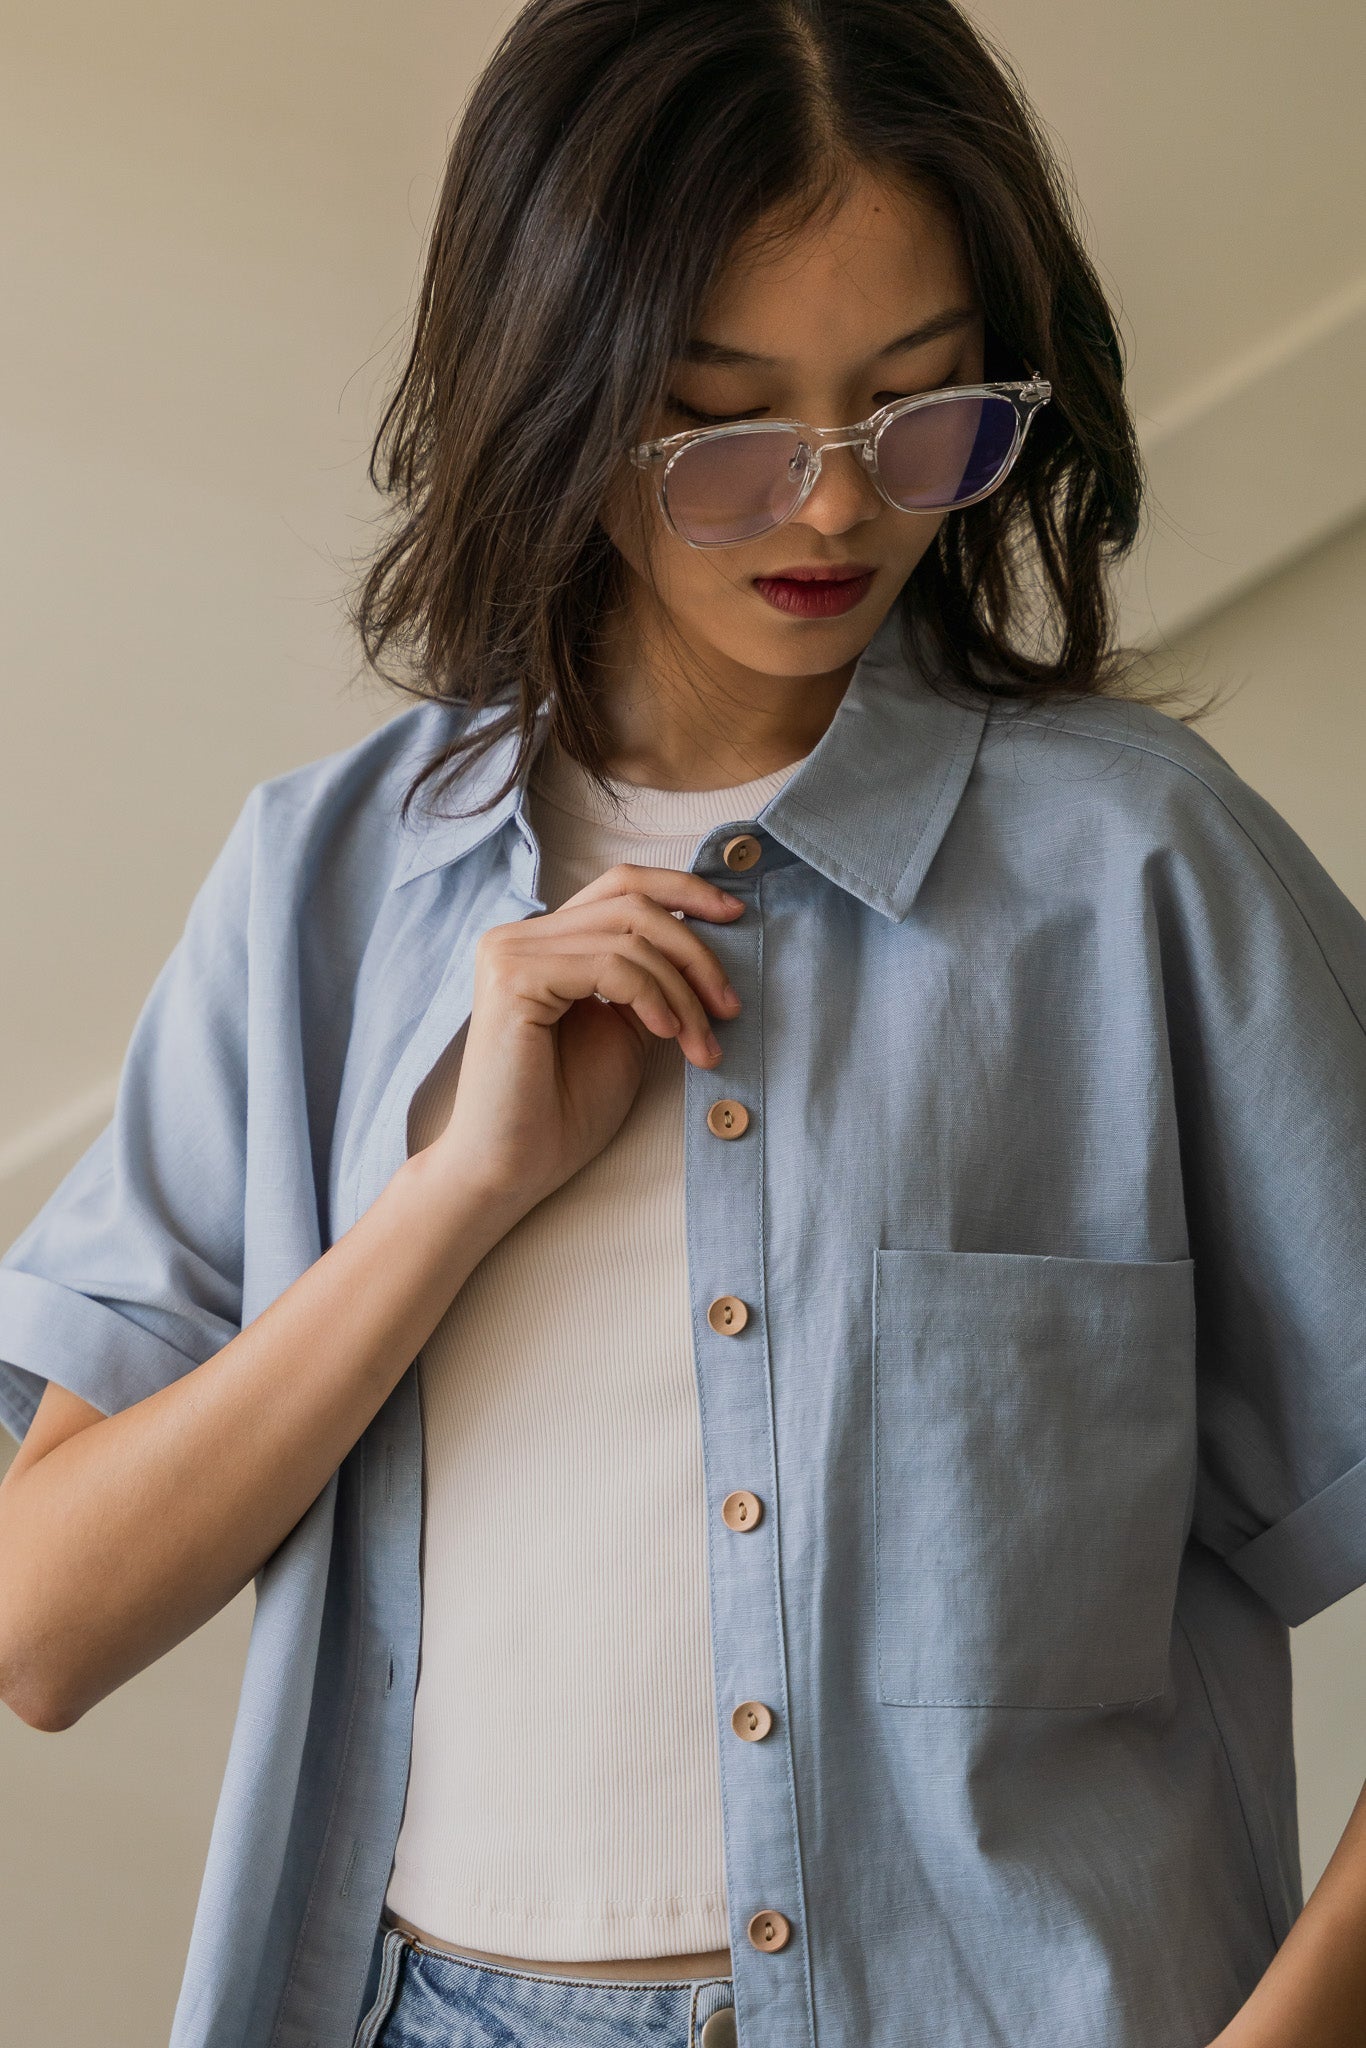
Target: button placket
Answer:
pixel 725 1225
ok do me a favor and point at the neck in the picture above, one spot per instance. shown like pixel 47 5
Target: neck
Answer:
pixel 682 716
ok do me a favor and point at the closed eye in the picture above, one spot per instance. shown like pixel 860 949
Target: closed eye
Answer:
pixel 711 419
pixel 696 418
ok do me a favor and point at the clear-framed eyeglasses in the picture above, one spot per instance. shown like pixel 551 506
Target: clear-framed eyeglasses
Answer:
pixel 933 452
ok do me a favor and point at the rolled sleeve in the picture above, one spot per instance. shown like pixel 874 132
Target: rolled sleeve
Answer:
pixel 1266 965
pixel 131 1272
pixel 1315 1555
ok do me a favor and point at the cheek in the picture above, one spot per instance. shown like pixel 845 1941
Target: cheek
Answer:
pixel 907 537
pixel 685 577
pixel 921 531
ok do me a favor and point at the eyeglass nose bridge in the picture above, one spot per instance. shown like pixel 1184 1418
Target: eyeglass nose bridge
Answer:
pixel 818 439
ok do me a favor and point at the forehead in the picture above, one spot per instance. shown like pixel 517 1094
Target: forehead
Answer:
pixel 880 259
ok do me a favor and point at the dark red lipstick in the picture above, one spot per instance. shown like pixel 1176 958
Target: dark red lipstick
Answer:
pixel 820 591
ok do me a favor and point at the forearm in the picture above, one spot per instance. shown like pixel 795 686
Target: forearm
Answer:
pixel 126 1537
pixel 1313 1994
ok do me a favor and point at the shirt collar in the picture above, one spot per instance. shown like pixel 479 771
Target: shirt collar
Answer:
pixel 867 808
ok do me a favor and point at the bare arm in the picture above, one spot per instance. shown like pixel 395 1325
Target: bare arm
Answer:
pixel 1313 1993
pixel 128 1535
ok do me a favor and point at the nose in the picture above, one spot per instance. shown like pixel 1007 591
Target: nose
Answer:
pixel 843 494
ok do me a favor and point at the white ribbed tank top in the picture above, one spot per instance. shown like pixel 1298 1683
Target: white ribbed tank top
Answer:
pixel 564 1795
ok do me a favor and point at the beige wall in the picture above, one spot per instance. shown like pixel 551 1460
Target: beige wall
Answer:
pixel 211 221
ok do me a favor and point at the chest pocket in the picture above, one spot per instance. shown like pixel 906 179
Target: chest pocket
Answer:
pixel 1033 1465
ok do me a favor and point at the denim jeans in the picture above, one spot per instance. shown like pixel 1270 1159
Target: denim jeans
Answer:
pixel 425 1998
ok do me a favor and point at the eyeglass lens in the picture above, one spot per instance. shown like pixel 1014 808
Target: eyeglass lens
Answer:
pixel 739 485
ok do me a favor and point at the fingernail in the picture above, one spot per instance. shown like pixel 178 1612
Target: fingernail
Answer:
pixel 735 902
pixel 731 995
pixel 713 1045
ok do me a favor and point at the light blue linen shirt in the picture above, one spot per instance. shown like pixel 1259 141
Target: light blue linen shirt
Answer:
pixel 1050 1218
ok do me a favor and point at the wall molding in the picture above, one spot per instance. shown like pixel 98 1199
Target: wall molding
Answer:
pixel 1250 467
pixel 66 1125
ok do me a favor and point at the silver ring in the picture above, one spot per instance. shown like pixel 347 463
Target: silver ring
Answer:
pixel 602 998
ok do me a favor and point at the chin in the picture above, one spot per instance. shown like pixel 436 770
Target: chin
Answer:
pixel 782 644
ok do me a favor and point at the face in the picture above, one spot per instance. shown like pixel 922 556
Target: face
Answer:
pixel 813 330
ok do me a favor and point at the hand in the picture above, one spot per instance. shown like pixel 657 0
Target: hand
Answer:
pixel 548 1073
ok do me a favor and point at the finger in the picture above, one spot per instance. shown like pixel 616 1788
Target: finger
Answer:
pixel 672 888
pixel 629 980
pixel 696 1037
pixel 542 972
pixel 685 948
pixel 622 966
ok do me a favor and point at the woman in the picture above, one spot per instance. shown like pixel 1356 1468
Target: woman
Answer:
pixel 768 1289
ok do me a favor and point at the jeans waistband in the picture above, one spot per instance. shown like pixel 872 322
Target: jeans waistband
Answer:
pixel 424 1994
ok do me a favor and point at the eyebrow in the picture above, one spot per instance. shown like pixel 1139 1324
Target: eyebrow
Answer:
pixel 699 350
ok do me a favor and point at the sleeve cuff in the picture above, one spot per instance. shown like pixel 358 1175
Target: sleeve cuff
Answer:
pixel 52 1332
pixel 1314 1556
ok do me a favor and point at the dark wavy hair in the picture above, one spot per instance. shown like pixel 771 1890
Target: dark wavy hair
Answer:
pixel 610 155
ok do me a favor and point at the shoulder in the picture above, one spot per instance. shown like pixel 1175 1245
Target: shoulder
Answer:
pixel 355 790
pixel 1145 769
pixel 330 834
pixel 313 851
pixel 1214 850
pixel 1127 753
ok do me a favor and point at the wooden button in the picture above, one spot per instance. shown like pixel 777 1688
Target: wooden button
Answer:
pixel 742 1510
pixel 727 1119
pixel 719 2030
pixel 742 851
pixel 728 1315
pixel 751 1720
pixel 770 1931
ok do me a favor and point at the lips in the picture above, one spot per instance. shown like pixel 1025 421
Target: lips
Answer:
pixel 842 572
pixel 816 592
